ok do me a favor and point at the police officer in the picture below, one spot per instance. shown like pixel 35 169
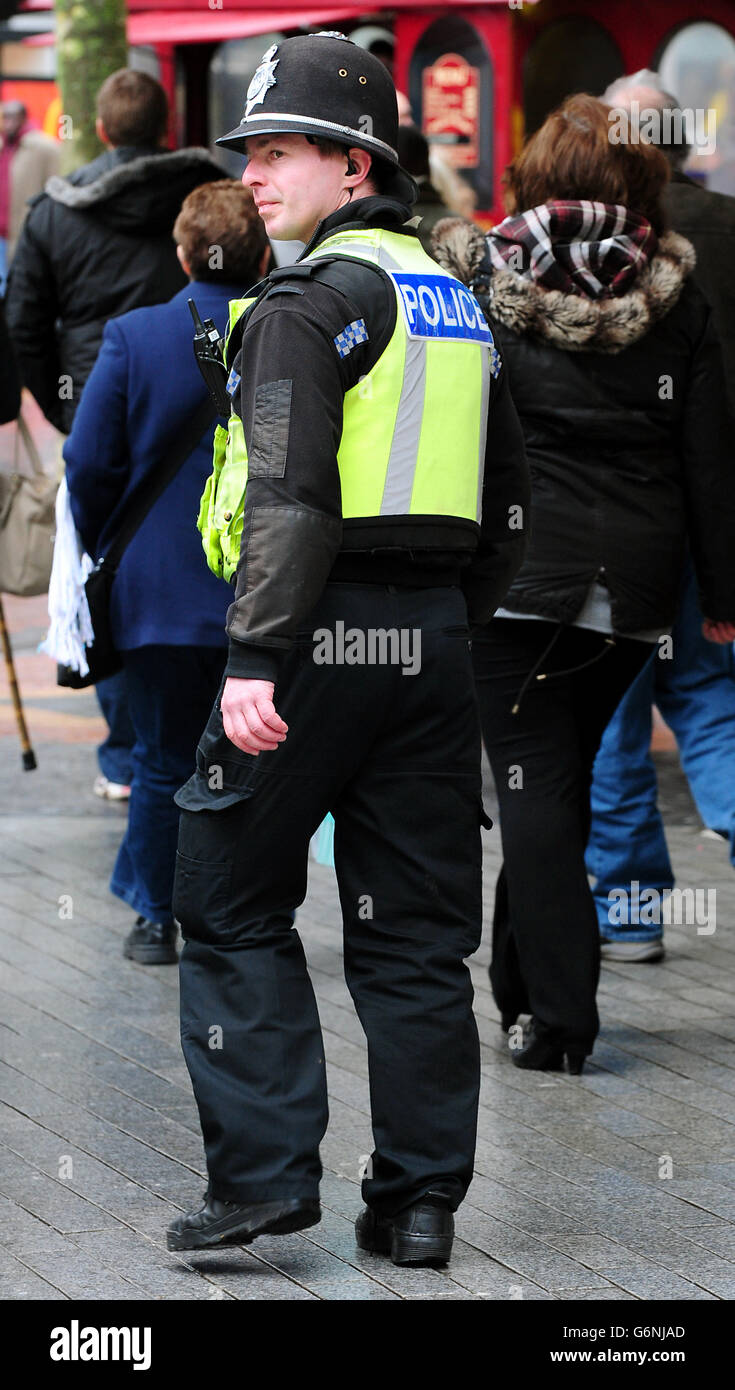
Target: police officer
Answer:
pixel 372 400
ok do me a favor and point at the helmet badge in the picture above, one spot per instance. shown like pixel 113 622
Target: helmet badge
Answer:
pixel 263 79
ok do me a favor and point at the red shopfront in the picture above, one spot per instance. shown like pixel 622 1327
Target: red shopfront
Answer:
pixel 477 74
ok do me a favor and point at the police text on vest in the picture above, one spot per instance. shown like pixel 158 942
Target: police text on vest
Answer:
pixel 436 306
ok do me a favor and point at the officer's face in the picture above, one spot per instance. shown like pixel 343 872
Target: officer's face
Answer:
pixel 294 185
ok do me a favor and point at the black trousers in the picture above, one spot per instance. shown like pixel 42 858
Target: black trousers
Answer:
pixel 546 950
pixel 396 758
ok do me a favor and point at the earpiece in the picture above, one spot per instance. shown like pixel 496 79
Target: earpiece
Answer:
pixel 351 166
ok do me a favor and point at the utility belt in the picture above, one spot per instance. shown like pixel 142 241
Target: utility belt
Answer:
pixel 408 570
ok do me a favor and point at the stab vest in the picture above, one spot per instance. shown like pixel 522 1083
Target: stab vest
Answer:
pixel 414 427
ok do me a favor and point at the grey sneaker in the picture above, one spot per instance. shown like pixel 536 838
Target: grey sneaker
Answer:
pixel 631 951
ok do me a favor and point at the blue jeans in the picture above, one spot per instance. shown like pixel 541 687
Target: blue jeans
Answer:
pixel 695 692
pixel 3 264
pixel 115 755
pixel 171 691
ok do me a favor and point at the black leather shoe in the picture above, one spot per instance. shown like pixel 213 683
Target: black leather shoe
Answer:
pixel 226 1223
pixel 422 1234
pixel 543 1051
pixel 151 943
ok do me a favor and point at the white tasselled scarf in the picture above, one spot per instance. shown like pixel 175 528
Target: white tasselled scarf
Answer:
pixel 70 627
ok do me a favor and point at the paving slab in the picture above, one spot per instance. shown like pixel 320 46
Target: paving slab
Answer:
pixel 567 1203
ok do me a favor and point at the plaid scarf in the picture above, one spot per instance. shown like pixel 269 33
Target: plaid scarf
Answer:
pixel 578 247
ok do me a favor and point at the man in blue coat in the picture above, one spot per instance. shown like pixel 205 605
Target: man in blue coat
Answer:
pixel 168 610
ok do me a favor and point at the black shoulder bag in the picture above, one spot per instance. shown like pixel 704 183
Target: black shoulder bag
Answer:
pixel 104 660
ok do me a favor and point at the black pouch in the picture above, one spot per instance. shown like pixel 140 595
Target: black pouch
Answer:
pixel 102 655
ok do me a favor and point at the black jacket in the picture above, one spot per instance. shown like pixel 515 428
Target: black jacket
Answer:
pixel 93 246
pixel 708 221
pixel 629 439
pixel 294 538
pixel 9 380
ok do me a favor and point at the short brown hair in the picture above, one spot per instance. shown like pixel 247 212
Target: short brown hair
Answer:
pixel 572 156
pixel 221 234
pixel 133 108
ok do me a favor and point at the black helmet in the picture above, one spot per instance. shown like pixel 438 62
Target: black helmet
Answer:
pixel 323 84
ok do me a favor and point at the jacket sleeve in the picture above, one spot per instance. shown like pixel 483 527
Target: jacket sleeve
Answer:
pixel 32 309
pixel 709 477
pixel 506 505
pixel 291 407
pixel 96 453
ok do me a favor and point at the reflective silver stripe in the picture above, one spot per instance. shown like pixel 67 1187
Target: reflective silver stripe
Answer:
pixel 404 449
pixel 347 248
pixel 484 407
pixel 265 118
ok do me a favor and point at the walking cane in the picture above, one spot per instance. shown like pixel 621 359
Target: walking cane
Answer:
pixel 29 757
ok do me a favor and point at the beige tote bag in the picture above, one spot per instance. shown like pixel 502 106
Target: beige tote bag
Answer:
pixel 27 521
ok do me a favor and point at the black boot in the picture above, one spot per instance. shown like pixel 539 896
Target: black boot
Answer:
pixel 151 943
pixel 227 1223
pixel 543 1050
pixel 421 1234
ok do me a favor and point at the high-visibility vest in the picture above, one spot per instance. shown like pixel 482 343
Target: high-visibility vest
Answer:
pixel 414 427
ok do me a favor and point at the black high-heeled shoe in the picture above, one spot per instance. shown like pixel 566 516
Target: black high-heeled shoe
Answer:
pixel 544 1052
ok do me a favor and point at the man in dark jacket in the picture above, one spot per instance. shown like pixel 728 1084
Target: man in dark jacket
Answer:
pixel 695 689
pixel 99 243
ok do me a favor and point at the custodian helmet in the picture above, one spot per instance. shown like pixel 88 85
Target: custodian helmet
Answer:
pixel 324 85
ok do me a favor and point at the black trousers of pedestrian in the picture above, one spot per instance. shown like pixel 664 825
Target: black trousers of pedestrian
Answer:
pixel 546 950
pixel 396 758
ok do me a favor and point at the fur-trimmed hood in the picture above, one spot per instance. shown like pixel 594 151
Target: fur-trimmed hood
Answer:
pixel 142 193
pixel 567 321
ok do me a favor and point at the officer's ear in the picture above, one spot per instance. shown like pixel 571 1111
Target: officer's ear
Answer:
pixel 359 164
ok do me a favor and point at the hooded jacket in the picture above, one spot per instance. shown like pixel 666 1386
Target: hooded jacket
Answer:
pixel 629 440
pixel 93 246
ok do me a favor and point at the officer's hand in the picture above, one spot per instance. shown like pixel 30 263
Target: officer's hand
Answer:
pixel 718 632
pixel 249 715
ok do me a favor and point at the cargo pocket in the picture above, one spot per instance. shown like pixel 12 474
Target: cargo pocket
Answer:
pixel 202 896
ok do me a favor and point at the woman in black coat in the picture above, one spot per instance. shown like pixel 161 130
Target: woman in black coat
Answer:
pixel 616 374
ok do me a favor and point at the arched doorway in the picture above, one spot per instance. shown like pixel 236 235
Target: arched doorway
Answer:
pixel 570 55
pixel 451 94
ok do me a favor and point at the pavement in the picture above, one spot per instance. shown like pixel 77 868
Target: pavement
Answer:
pixel 616 1185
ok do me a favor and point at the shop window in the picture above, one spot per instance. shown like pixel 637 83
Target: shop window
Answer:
pixel 697 67
pixel 143 58
pixel 571 55
pixel 451 95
